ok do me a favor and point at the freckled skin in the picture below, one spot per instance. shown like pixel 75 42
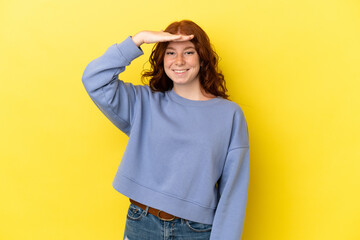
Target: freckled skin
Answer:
pixel 182 56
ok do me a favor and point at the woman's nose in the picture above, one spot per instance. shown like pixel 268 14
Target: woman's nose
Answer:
pixel 179 59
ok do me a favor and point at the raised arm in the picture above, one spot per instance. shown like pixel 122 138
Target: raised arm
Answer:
pixel 115 98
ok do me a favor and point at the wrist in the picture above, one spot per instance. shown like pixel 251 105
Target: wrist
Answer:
pixel 137 39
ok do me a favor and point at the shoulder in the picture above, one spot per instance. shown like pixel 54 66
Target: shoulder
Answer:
pixel 239 127
pixel 146 93
pixel 232 107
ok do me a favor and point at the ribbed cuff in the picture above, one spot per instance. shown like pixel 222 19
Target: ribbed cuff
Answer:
pixel 129 50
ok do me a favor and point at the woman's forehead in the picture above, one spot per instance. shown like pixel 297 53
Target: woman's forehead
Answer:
pixel 181 45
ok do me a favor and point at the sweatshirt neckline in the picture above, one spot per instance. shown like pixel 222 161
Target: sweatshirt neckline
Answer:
pixel 185 101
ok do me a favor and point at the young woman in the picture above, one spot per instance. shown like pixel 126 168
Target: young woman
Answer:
pixel 186 165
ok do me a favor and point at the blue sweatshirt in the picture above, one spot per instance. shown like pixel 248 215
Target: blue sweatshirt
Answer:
pixel 178 149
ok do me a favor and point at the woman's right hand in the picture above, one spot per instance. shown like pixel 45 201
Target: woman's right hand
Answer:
pixel 158 36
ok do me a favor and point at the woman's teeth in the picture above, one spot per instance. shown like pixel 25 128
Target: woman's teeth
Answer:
pixel 179 71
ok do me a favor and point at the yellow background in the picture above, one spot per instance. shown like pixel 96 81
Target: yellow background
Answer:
pixel 293 67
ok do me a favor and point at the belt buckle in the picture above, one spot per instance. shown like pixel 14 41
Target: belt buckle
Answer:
pixel 158 215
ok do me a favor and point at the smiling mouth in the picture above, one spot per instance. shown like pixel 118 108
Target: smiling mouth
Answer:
pixel 180 71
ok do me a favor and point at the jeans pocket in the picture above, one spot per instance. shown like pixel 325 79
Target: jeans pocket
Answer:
pixel 134 212
pixel 198 227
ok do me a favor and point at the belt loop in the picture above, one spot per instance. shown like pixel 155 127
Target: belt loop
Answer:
pixel 146 210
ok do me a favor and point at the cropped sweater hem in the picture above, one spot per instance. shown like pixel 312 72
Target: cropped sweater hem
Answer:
pixel 171 204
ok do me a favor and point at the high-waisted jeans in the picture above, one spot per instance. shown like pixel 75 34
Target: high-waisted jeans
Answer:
pixel 141 225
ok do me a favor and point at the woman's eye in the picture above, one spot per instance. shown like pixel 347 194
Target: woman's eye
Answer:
pixel 170 53
pixel 189 52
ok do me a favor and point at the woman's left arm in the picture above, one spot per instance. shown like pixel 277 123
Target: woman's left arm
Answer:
pixel 233 186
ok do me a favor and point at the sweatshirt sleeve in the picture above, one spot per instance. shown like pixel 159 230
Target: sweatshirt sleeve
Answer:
pixel 233 187
pixel 115 99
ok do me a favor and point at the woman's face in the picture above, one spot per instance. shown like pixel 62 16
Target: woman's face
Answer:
pixel 182 62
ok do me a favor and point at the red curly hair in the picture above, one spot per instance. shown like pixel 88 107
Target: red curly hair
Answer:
pixel 211 78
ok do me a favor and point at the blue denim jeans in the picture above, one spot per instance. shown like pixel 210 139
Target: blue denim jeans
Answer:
pixel 141 225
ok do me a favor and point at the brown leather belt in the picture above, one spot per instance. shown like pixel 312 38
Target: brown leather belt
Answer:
pixel 157 213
